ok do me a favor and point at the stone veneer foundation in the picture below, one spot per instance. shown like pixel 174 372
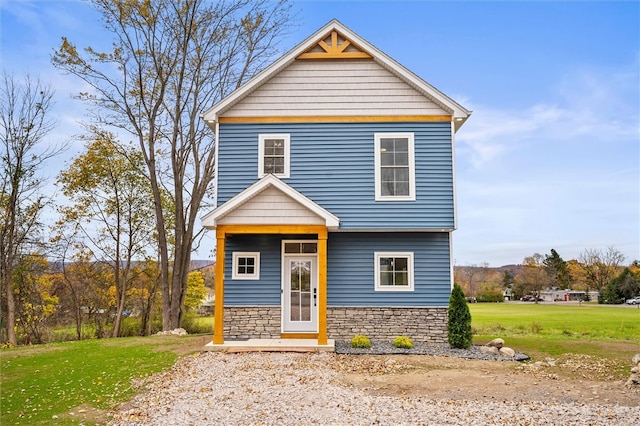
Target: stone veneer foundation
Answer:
pixel 378 323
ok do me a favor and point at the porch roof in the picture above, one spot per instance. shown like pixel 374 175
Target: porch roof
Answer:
pixel 270 201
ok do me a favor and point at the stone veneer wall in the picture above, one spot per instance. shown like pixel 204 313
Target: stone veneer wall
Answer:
pixel 386 323
pixel 378 323
pixel 252 322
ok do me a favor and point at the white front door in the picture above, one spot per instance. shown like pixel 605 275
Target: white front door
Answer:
pixel 300 294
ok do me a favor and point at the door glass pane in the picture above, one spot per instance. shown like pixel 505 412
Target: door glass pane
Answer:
pixel 295 306
pixel 300 304
pixel 292 247
pixel 309 247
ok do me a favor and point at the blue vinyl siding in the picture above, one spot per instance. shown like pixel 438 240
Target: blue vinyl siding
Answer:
pixel 333 164
pixel 350 269
pixel 262 292
pixel 350 275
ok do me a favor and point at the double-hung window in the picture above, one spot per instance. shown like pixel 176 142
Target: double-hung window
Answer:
pixel 393 271
pixel 273 155
pixel 246 266
pixel 395 167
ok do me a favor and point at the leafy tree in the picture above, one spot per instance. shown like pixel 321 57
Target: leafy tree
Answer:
pixel 623 287
pixel 171 60
pixel 109 208
pixel 196 291
pixel 459 321
pixel 557 270
pixel 533 277
pixel 490 292
pixel 36 305
pixel 24 125
pixel 143 293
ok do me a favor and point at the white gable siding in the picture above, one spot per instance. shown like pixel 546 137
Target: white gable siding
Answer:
pixel 271 207
pixel 334 88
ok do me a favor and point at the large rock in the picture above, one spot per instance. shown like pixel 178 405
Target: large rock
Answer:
pixel 496 343
pixel 634 379
pixel 490 350
pixel 507 352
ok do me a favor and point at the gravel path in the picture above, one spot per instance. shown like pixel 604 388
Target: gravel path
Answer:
pixel 302 389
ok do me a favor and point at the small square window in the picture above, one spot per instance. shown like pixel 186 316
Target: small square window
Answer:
pixel 393 271
pixel 246 266
pixel 273 155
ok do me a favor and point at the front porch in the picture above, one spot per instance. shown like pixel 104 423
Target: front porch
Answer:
pixel 271 345
pixel 271 207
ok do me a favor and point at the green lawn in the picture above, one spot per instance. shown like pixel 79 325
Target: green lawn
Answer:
pixel 41 384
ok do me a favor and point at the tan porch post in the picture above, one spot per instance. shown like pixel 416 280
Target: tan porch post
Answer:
pixel 218 313
pixel 322 290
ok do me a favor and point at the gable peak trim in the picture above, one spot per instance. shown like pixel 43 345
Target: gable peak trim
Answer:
pixel 334 46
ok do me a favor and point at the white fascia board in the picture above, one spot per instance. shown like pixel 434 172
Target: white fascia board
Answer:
pixel 209 220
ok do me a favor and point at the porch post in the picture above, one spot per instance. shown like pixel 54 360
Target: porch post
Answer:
pixel 322 287
pixel 218 312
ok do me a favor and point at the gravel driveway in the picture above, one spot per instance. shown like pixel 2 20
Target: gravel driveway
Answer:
pixel 304 389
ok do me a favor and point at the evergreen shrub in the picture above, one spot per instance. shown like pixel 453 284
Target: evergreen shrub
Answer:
pixel 459 321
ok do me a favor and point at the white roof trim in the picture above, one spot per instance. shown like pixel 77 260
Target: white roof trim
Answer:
pixel 459 113
pixel 211 218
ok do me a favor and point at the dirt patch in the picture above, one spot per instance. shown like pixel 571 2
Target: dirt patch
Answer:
pixel 85 414
pixel 460 379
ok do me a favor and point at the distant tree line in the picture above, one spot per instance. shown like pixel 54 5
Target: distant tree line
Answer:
pixel 598 270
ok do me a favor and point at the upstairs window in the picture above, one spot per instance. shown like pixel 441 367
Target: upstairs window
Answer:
pixel 395 167
pixel 273 155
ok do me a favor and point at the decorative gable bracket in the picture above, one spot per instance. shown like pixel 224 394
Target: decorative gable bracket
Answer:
pixel 334 46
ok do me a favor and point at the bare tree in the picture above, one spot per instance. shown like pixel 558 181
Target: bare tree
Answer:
pixel 25 108
pixel 172 59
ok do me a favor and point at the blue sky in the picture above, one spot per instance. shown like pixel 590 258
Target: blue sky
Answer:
pixel 550 157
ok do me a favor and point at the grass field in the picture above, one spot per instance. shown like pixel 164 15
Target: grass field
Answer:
pixel 541 330
pixel 40 384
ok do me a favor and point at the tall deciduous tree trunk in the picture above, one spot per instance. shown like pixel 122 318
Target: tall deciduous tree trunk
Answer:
pixel 172 60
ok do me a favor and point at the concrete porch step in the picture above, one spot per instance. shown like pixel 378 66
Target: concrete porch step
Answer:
pixel 271 345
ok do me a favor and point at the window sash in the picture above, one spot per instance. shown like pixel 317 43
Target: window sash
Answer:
pixel 394 271
pixel 246 266
pixel 273 155
pixel 395 166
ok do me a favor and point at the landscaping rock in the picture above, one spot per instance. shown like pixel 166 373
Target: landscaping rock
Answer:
pixel 174 332
pixel 634 378
pixel 496 343
pixel 505 351
pixel 490 350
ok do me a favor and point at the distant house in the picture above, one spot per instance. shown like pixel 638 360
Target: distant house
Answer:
pixel 335 197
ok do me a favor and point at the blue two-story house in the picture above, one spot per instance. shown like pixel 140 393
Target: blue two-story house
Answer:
pixel 335 197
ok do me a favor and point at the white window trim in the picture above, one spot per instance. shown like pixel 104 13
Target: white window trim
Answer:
pixel 376 257
pixel 244 254
pixel 412 167
pixel 287 151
